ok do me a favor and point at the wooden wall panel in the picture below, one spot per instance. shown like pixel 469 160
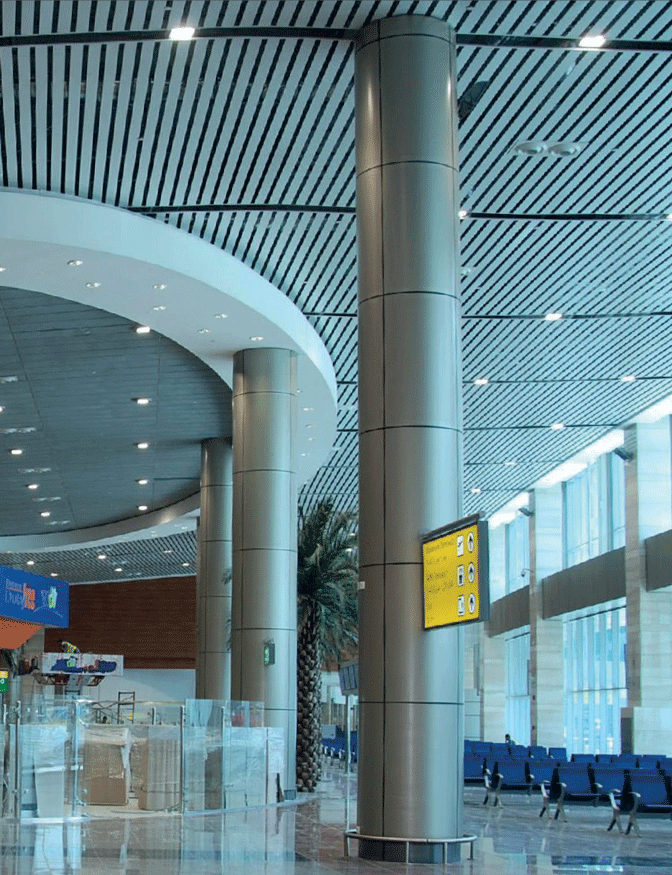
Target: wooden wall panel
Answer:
pixel 151 622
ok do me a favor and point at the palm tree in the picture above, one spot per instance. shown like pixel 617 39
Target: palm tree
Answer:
pixel 327 577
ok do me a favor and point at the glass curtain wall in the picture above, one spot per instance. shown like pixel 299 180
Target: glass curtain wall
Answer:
pixel 517 551
pixel 594 682
pixel 594 510
pixel 518 685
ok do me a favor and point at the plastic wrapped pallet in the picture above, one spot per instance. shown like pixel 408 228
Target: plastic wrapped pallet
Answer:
pixel 106 769
pixel 160 769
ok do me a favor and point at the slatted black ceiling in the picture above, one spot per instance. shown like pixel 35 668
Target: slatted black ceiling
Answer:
pixel 245 138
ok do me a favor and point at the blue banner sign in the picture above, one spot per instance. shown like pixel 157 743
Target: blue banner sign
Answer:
pixel 82 663
pixel 33 598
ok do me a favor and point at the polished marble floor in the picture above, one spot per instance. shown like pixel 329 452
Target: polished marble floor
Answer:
pixel 306 838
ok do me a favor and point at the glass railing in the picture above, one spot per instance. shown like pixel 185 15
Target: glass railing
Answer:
pixel 69 758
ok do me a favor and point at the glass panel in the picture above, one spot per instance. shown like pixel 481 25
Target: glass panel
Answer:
pixel 517 688
pixel 47 758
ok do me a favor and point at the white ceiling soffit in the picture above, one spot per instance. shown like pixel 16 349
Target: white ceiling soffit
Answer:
pixel 214 306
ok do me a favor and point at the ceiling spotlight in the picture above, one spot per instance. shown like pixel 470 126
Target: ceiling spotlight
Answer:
pixel 143 445
pixel 45 513
pixel 143 329
pixel 75 262
pixel 307 409
pixel 557 426
pixel 2 269
pixel 628 378
pixel 592 41
pixel 159 308
pixel 553 317
pixel 184 32
pixel 102 556
pixel 142 507
pixel 256 338
pixel 118 569
pixel 221 316
pixel 1 408
pixel 167 551
pixel 143 402
pixel 204 331
pixel 53 574
pixel 304 454
pixel 143 482
pixel 509 463
pixel 669 217
pixel 159 286
pixel 463 214
pixel 475 491
pixel 526 511
pixel 16 451
pixel 92 285
pixel 481 381
pixel 33 485
pixel 185 565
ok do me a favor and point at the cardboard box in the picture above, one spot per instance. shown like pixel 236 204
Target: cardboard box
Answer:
pixel 106 774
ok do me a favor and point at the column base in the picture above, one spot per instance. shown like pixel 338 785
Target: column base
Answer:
pixel 395 852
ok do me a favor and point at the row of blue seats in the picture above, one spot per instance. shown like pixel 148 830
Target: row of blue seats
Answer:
pixel 335 747
pixel 485 748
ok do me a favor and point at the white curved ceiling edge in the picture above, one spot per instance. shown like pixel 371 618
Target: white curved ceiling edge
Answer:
pixel 129 255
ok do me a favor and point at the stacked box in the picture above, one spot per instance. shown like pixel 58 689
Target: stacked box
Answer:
pixel 106 773
pixel 160 769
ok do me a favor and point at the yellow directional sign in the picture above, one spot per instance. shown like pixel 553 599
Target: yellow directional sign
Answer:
pixel 455 571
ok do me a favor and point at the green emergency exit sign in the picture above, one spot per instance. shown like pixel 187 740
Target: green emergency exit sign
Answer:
pixel 4 681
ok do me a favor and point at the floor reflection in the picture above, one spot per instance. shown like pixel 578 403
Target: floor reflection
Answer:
pixel 306 837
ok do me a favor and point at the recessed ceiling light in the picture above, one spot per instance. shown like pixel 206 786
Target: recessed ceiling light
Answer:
pixel 592 41
pixel 182 33
pixel 463 214
pixel 305 454
pixel 475 490
pixel 311 438
pixel 185 565
pixel 16 451
pixel 167 551
pixel 142 507
pixel 93 285
pixel 553 317
pixel 204 331
pixel 143 402
pixel 9 379
pixel 102 556
pixel 221 315
pixel 75 262
pixel 669 217
pixel 45 513
pixel 2 269
pixel 256 338
pixel 159 286
pixel 143 445
pixel 509 463
pixel 307 409
pixel 481 381
pixel 143 329
pixel 557 426
pixel 159 308
pixel 628 378
pixel 310 425
pixel 30 562
pixel 118 569
pixel 33 485
pixel 143 482
pixel 1 409
pixel 53 574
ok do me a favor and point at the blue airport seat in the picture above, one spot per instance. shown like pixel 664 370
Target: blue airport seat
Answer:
pixel 578 785
pixel 665 765
pixel 609 777
pixel 542 770
pixel 473 768
pixel 558 753
pixel 538 752
pixel 649 760
pixel 628 760
pixel 583 757
pixel 604 757
pixel 553 791
pixel 654 791
pixel 515 774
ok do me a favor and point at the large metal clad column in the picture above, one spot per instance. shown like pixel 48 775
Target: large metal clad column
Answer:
pixel 213 579
pixel 410 421
pixel 264 539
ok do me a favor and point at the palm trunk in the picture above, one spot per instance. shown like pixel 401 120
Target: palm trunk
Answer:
pixel 309 715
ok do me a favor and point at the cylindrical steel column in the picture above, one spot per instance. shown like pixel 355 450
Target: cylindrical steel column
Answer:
pixel 213 574
pixel 410 422
pixel 263 635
